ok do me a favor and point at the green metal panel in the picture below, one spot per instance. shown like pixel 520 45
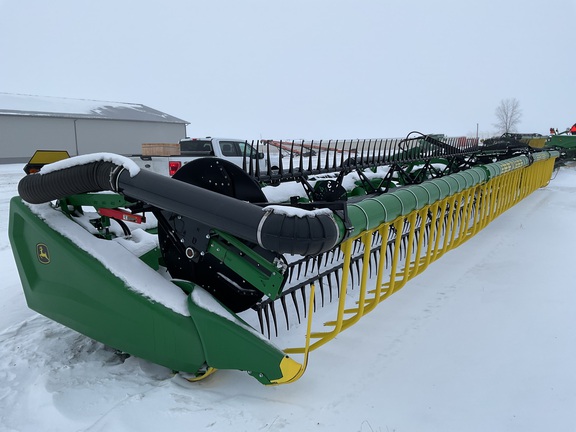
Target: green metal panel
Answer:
pixel 408 199
pixel 66 284
pixel 230 343
pixel 364 217
pixel 430 190
pixel 490 170
pixel 98 200
pixel 262 274
pixel 562 140
pixel 420 194
pixel 454 183
pixel 470 178
pixel 442 185
pixel 480 174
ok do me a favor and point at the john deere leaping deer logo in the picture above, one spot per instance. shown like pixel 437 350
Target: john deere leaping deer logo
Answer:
pixel 42 253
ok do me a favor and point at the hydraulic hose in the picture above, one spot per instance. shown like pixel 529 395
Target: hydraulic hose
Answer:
pixel 277 231
pixel 92 177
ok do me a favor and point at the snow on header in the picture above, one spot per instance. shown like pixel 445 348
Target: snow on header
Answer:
pixel 116 258
pixel 128 164
pixel 295 211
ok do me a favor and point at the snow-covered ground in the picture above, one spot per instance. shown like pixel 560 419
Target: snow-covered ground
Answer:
pixel 483 340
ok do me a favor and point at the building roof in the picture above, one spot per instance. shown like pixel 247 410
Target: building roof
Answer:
pixel 43 106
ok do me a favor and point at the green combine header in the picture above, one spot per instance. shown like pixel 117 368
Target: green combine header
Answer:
pixel 202 271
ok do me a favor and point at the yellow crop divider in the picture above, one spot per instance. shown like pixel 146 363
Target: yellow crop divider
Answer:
pixel 428 233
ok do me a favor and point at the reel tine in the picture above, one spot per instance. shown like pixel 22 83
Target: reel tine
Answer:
pixel 260 318
pixel 303 292
pixel 292 158
pixel 319 166
pixel 334 254
pixel 321 283
pixel 285 309
pixel 325 254
pixel 296 306
pixel 376 239
pixel 314 300
pixel 290 273
pixel 373 255
pixel 267 318
pixel 351 270
pixel 357 246
pixel 274 320
pixel 389 253
pixel 329 279
pixel 403 247
pixel 370 264
pixel 309 159
pixel 313 259
pixel 299 269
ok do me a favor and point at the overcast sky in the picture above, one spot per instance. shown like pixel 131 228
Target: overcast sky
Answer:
pixel 302 69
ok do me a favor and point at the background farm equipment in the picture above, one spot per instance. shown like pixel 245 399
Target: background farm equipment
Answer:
pixel 204 271
pixel 515 141
pixel 564 143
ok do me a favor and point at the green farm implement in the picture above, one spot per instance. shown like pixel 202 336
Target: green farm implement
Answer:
pixel 210 269
pixel 564 143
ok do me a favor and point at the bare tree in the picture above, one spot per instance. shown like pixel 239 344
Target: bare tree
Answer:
pixel 508 115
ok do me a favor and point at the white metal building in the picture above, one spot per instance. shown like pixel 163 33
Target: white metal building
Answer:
pixel 30 123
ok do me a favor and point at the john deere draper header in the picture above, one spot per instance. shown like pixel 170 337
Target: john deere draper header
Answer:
pixel 202 271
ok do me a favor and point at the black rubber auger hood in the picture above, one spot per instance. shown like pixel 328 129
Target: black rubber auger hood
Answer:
pixel 280 232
